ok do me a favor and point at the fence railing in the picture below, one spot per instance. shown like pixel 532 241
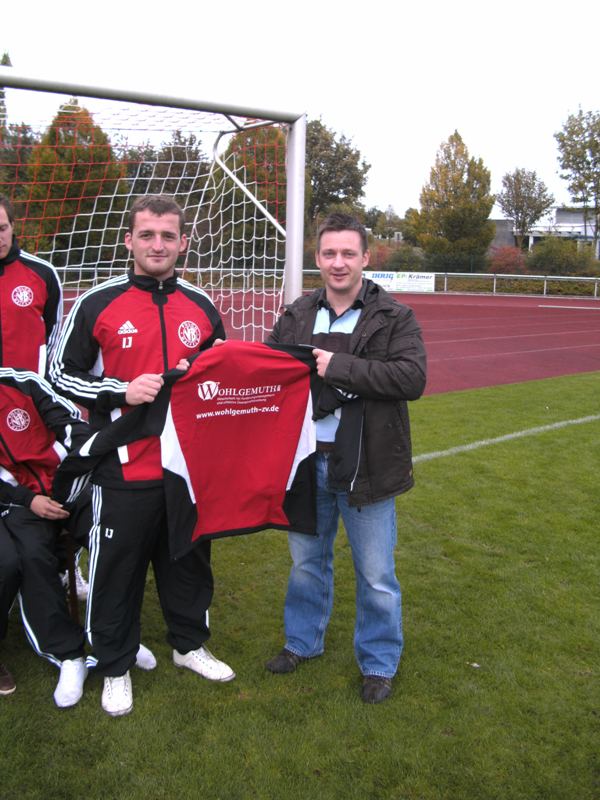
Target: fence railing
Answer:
pixel 503 284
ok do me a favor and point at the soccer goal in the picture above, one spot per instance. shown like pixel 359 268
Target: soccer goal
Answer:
pixel 73 157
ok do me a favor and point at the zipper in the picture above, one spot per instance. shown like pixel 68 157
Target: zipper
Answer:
pixel 163 328
pixel 359 451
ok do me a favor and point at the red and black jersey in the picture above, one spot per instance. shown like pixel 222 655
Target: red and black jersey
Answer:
pixel 37 429
pixel 130 325
pixel 30 311
pixel 237 441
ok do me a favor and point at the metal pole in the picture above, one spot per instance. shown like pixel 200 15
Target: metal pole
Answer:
pixel 9 78
pixel 294 243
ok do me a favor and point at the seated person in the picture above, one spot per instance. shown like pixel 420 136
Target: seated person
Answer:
pixel 37 429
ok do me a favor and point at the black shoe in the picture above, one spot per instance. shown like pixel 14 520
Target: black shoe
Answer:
pixel 375 689
pixel 285 661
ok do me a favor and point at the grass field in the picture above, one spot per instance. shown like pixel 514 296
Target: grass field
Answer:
pixel 497 694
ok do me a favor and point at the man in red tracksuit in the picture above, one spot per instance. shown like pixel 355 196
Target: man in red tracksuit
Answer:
pixel 30 302
pixel 117 341
pixel 31 311
pixel 37 428
pixel 30 317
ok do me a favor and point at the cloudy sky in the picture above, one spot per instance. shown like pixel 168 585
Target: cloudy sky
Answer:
pixel 397 81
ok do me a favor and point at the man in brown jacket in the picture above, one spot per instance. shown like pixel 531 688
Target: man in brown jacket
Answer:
pixel 369 347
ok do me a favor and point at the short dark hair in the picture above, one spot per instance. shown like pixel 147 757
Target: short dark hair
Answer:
pixel 342 222
pixel 8 207
pixel 158 204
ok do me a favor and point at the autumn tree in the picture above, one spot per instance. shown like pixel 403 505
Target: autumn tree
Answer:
pixel 245 237
pixel 336 171
pixel 579 159
pixel 453 226
pixel 524 199
pixel 73 203
pixel 410 226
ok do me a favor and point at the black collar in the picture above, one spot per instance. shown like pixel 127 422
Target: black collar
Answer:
pixel 359 301
pixel 148 284
pixel 12 254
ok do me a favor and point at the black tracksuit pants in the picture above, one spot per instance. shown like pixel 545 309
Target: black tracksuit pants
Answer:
pixel 129 532
pixel 29 566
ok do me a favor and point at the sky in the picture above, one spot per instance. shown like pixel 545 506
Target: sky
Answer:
pixel 395 80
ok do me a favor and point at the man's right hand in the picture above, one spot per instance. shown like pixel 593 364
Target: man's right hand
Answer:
pixel 143 389
pixel 46 508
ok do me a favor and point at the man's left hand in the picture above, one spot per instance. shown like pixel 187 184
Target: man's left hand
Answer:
pixel 323 358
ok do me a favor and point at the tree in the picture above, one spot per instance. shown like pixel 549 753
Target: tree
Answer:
pixel 336 172
pixel 453 225
pixel 245 238
pixel 16 145
pixel 507 261
pixel 181 168
pixel 410 226
pixel 556 256
pixel 73 201
pixel 371 217
pixel 524 199
pixel 579 149
pixel 387 224
pixel 4 62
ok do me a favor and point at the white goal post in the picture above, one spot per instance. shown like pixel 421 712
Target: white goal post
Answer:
pixel 79 154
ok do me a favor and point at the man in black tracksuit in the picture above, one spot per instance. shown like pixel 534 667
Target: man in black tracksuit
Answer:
pixel 117 341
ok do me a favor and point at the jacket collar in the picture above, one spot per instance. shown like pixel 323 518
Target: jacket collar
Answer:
pixel 148 284
pixel 359 300
pixel 11 256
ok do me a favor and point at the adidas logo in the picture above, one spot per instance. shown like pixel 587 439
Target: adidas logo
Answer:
pixel 127 328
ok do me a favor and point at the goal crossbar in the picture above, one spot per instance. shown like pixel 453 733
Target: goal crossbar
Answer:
pixel 235 119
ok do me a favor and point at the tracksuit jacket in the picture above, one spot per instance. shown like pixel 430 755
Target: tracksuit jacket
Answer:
pixel 37 430
pixel 127 326
pixel 31 311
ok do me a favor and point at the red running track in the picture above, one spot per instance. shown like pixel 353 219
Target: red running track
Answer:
pixel 485 340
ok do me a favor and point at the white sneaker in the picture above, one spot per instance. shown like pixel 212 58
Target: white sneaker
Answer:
pixel 69 688
pixel 145 658
pixel 81 585
pixel 204 663
pixel 117 695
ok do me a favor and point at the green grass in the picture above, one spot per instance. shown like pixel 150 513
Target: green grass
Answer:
pixel 499 561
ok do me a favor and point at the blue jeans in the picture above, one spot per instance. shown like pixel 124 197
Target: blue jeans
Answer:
pixel 371 532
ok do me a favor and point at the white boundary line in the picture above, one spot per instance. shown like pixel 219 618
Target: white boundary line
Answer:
pixel 569 308
pixel 508 437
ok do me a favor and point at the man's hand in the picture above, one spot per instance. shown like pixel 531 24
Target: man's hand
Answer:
pixel 323 358
pixel 143 389
pixel 183 364
pixel 217 342
pixel 47 508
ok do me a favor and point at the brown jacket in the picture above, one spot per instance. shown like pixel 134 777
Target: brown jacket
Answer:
pixel 386 367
